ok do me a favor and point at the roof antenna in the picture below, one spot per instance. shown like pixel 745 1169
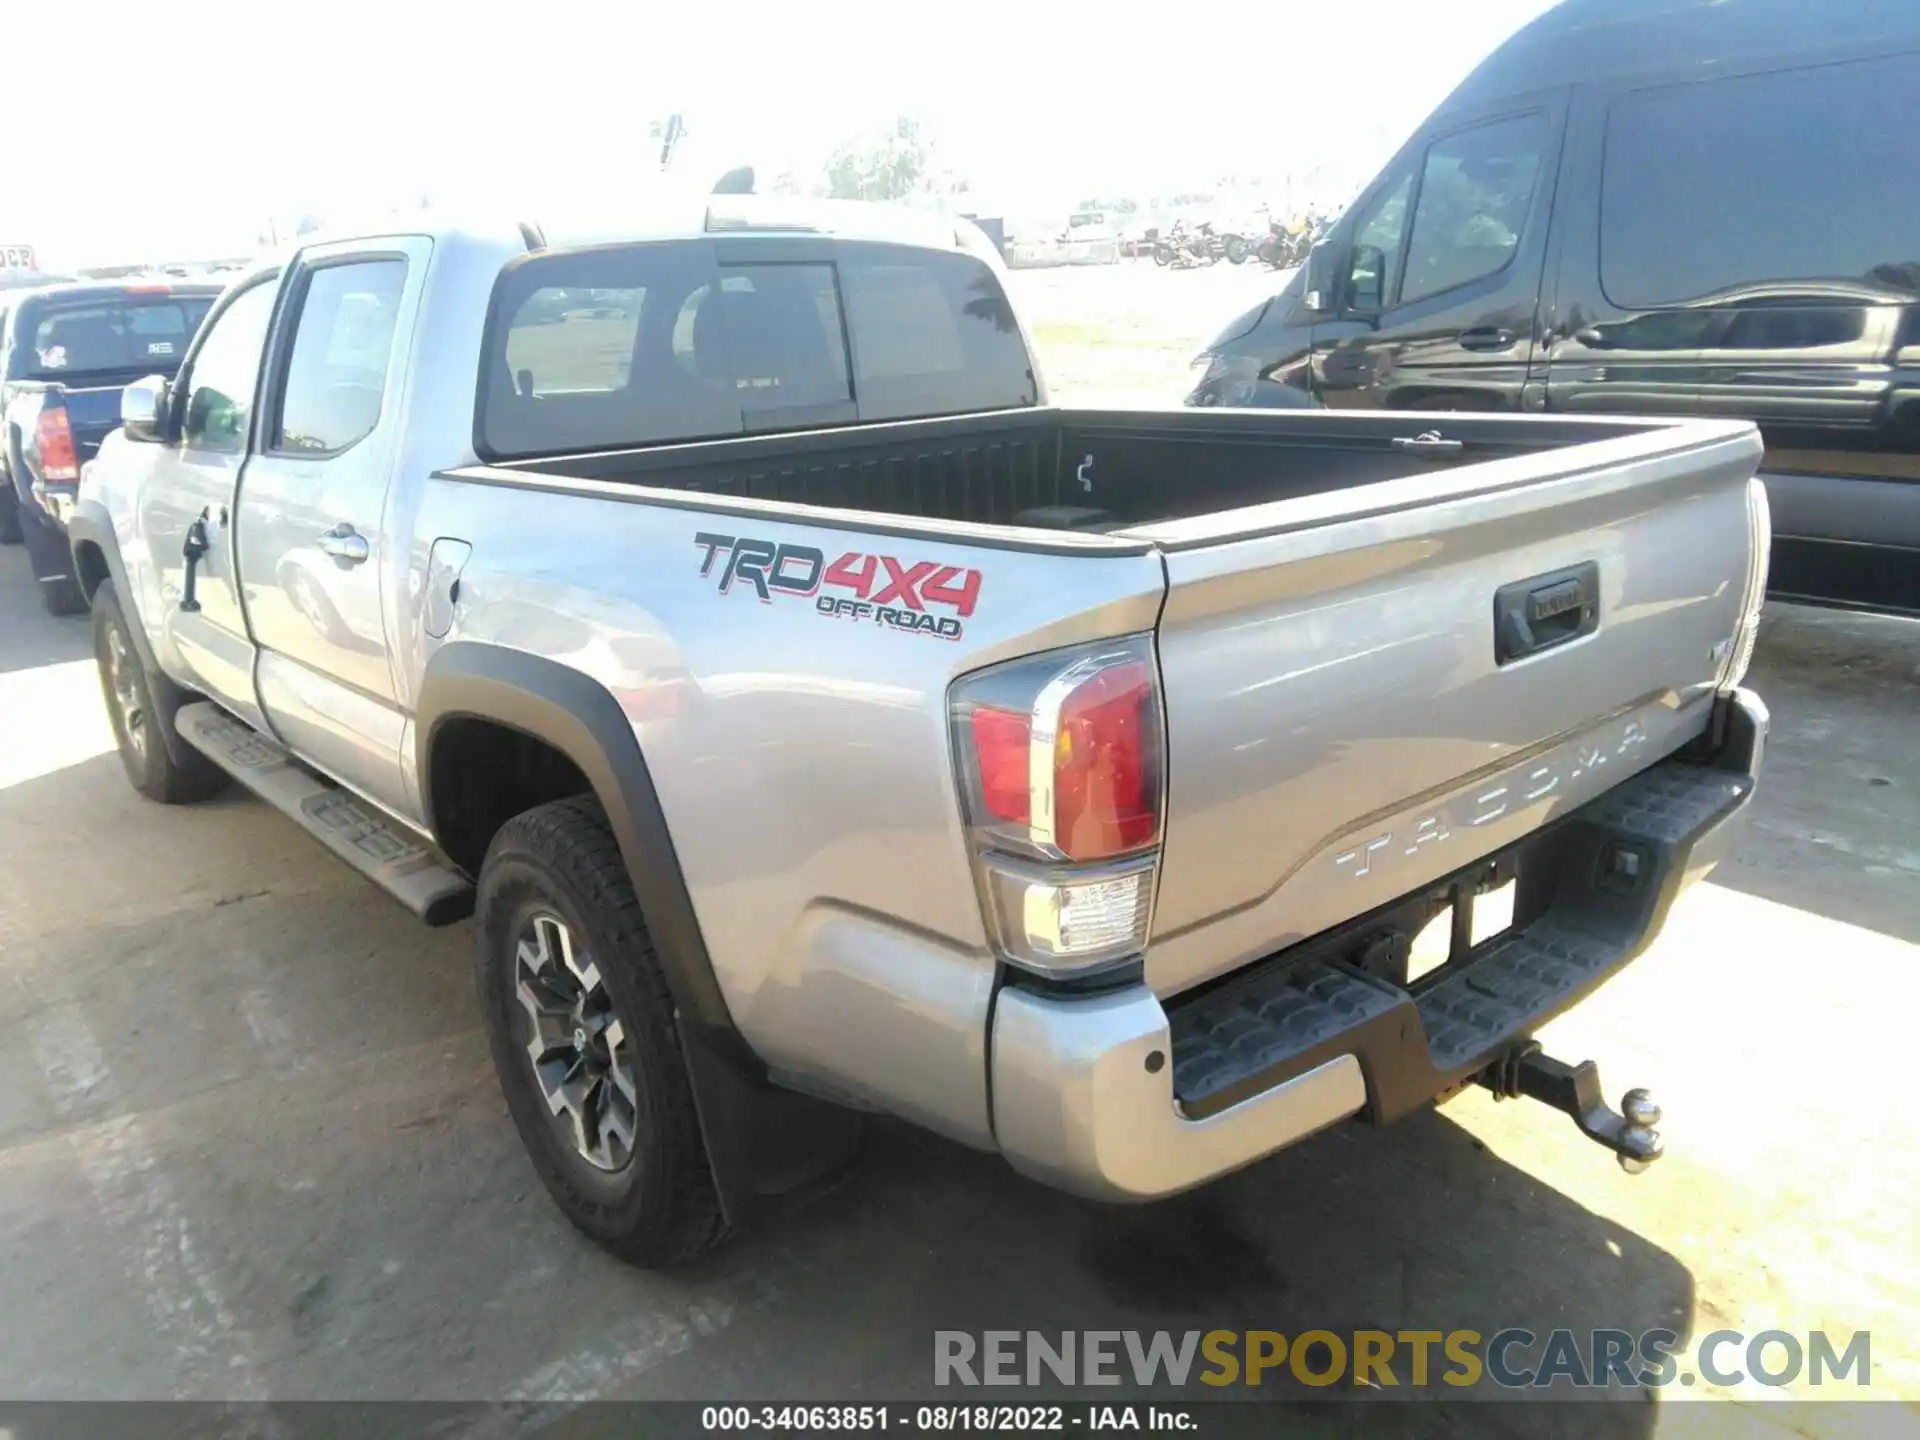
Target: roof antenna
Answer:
pixel 737 181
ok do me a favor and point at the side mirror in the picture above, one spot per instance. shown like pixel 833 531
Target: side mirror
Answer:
pixel 1322 291
pixel 143 409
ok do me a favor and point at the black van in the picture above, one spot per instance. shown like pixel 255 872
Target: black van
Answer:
pixel 1669 207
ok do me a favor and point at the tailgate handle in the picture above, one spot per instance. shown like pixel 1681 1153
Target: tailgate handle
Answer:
pixel 1547 610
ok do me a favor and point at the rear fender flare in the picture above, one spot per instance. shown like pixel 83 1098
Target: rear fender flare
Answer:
pixel 762 1141
pixel 579 717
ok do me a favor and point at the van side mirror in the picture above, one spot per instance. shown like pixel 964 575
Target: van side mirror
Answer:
pixel 1322 289
pixel 143 410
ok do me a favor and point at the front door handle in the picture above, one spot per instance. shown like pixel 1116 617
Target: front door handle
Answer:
pixel 1486 337
pixel 343 543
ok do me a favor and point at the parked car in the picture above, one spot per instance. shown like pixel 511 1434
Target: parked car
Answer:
pixel 66 353
pixel 17 277
pixel 808 735
pixel 1654 209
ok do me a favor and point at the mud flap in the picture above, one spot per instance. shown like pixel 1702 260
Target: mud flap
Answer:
pixel 766 1144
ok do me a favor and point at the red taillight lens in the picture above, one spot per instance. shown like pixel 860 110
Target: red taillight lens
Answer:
pixel 1105 793
pixel 1002 748
pixel 53 437
pixel 1065 752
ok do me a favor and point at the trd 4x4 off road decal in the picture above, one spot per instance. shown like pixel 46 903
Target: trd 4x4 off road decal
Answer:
pixel 882 589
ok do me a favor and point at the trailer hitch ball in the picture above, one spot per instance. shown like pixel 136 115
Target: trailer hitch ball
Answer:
pixel 1574 1090
pixel 1641 1113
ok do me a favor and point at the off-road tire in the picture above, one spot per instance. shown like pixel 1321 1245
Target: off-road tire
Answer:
pixel 165 768
pixel 661 1209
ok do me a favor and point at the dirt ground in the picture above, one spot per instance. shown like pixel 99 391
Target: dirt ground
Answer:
pixel 251 1146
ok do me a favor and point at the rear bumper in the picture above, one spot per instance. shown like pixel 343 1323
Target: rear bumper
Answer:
pixel 1123 1098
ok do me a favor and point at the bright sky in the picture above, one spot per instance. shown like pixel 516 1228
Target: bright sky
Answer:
pixel 178 130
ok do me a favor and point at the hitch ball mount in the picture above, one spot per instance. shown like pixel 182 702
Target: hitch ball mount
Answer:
pixel 1575 1089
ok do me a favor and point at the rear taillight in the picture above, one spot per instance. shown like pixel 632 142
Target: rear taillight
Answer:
pixel 1061 768
pixel 53 438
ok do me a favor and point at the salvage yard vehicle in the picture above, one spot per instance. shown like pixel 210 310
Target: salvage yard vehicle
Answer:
pixel 66 353
pixel 815 719
pixel 1658 207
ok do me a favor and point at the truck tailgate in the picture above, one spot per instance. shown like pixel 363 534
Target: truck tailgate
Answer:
pixel 1366 691
pixel 93 414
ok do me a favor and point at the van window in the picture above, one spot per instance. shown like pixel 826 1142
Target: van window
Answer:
pixel 1374 266
pixel 1475 190
pixel 702 350
pixel 1716 186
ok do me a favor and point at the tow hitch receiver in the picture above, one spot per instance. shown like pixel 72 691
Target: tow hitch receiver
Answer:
pixel 1628 1132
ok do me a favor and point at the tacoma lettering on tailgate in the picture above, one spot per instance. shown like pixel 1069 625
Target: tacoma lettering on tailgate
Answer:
pixel 1436 826
pixel 882 589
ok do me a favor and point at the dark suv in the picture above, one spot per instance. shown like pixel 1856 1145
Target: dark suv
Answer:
pixel 66 352
pixel 1664 207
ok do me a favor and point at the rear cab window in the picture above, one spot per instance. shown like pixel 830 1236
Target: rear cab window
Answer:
pixel 100 337
pixel 667 341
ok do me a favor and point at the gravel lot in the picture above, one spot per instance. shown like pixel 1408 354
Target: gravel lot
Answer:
pixel 250 1144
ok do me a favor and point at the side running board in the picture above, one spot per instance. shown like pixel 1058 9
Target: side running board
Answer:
pixel 384 851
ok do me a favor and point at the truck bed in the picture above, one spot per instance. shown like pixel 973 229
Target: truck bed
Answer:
pixel 1060 468
pixel 1380 661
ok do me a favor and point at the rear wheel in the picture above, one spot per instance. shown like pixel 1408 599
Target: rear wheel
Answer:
pixel 584 1040
pixel 1237 250
pixel 141 706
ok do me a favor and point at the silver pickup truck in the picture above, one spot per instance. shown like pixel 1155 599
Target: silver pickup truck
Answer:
pixel 814 719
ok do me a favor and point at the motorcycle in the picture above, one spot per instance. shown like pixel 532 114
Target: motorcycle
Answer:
pixel 1183 249
pixel 1204 245
pixel 1281 250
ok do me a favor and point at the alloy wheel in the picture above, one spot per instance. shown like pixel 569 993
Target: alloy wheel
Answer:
pixel 582 1059
pixel 129 691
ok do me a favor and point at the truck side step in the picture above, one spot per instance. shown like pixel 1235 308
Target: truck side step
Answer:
pixel 384 851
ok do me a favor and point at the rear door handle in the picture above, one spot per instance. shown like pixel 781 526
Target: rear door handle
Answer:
pixel 345 544
pixel 1486 337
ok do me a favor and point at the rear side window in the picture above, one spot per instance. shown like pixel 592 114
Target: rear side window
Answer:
pixel 337 371
pixel 114 335
pixel 1717 186
pixel 699 349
